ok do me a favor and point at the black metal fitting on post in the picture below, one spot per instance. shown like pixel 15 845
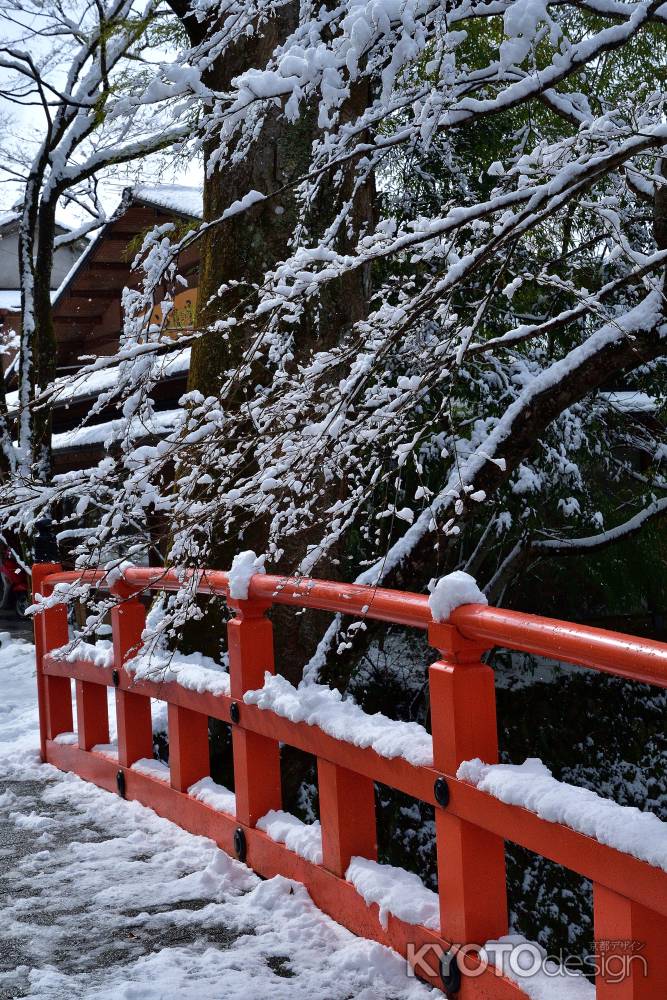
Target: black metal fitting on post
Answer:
pixel 45 546
pixel 240 844
pixel 120 783
pixel 235 712
pixel 115 677
pixel 441 792
pixel 450 974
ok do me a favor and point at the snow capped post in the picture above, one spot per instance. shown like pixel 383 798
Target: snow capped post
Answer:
pixel 471 861
pixel 451 591
pixel 53 698
pixel 250 643
pixel 133 711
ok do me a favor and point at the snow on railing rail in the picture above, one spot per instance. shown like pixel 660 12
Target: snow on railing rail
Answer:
pixel 478 804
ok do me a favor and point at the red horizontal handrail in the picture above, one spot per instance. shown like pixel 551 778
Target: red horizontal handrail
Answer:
pixel 610 652
pixel 613 653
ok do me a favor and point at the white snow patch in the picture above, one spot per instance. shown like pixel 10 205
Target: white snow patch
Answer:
pixel 155 768
pixel 107 749
pixel 244 566
pixel 305 839
pixel 631 401
pixel 212 794
pixel 10 298
pixel 67 739
pixel 395 891
pixel 99 653
pixel 522 961
pixel 532 786
pixel 193 671
pixel 451 591
pixel 319 705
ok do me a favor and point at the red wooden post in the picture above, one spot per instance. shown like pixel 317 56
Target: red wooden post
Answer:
pixel 92 714
pixel 347 815
pixel 54 694
pixel 133 711
pixel 188 747
pixel 471 861
pixel 630 949
pixel 256 758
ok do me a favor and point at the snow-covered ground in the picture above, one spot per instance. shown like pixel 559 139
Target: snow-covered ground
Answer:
pixel 100 898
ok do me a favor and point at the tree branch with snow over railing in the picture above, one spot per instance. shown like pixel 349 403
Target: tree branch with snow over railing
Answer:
pixel 510 273
pixel 638 335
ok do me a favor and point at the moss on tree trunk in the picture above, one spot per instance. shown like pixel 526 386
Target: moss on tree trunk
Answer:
pixel 239 252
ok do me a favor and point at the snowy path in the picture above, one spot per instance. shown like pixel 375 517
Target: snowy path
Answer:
pixel 100 898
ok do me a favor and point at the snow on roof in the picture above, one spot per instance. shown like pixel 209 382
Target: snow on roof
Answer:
pixel 7 218
pixel 13 215
pixel 10 299
pixel 91 384
pixel 175 197
pixel 113 430
pixel 78 263
pixel 631 401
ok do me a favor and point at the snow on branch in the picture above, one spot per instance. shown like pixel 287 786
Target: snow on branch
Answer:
pixel 563 546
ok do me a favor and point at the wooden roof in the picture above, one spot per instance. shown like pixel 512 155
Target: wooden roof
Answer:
pixel 86 313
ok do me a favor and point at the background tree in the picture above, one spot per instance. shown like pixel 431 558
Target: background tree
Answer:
pixel 81 75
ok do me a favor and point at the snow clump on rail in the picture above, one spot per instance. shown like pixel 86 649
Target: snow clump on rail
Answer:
pixel 244 566
pixel 451 591
pixel 320 705
pixel 531 785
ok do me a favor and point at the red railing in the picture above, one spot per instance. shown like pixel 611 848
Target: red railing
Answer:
pixel 630 896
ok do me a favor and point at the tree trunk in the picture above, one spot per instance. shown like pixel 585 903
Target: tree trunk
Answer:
pixel 241 250
pixel 44 351
pixel 38 342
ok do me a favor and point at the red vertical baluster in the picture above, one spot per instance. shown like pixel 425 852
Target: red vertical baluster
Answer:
pixel 630 949
pixel 471 861
pixel 256 758
pixel 188 747
pixel 133 711
pixel 54 694
pixel 347 815
pixel 92 714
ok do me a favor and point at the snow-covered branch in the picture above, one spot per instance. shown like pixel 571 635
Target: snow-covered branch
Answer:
pixel 565 546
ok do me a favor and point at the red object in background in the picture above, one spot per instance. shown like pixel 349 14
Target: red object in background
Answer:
pixel 16 589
